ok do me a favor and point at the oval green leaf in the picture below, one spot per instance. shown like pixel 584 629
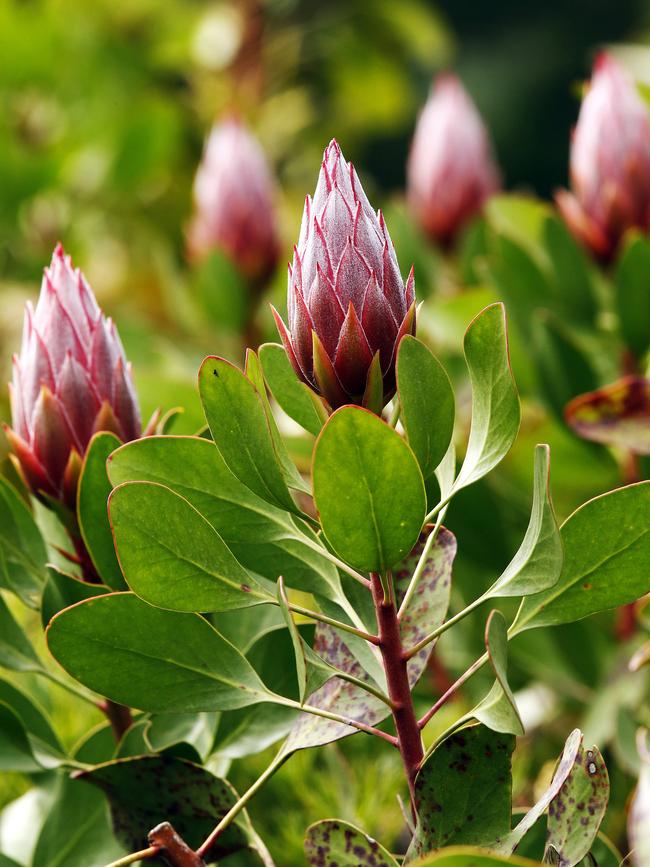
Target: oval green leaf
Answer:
pixel 427 405
pixel 172 557
pixel 295 397
pixel 368 490
pixel 151 659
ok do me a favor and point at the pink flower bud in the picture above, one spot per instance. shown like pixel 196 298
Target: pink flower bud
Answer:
pixel 70 380
pixel 234 207
pixel 451 171
pixel 347 302
pixel 610 162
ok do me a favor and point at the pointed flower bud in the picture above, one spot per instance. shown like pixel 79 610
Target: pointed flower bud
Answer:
pixel 451 170
pixel 610 162
pixel 70 380
pixel 348 306
pixel 234 202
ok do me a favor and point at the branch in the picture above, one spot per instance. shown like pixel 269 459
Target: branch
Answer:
pixel 337 624
pixel 142 855
pixel 444 698
pixel 412 651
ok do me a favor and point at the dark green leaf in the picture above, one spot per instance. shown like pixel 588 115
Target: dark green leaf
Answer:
pixel 463 791
pixel 263 538
pixel 633 294
pixel 606 555
pixel 495 403
pixel 427 406
pixel 240 430
pixel 197 729
pixel 30 715
pixel 16 653
pixel 62 590
pixel 364 476
pixel 572 272
pixel 295 397
pixel 537 565
pixel 563 367
pixel 76 832
pixel 336 842
pixel 16 753
pixel 92 509
pixel 172 557
pixel 23 554
pixel 151 659
pixel 146 790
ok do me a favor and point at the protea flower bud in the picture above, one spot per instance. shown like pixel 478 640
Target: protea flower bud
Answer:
pixel 451 170
pixel 70 380
pixel 234 202
pixel 610 162
pixel 348 306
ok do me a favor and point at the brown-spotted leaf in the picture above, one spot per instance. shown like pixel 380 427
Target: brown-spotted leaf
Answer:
pixel 617 415
pixel 333 842
pixel 426 611
pixel 575 813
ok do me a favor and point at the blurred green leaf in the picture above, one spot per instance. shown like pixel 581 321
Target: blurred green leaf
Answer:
pixel 22 550
pixel 16 652
pixel 633 294
pixel 62 590
pixel 572 272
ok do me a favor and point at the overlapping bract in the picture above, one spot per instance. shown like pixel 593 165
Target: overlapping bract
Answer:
pixel 347 301
pixel 610 162
pixel 451 170
pixel 234 202
pixel 70 380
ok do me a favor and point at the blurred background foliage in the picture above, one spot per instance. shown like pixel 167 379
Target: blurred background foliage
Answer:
pixel 105 107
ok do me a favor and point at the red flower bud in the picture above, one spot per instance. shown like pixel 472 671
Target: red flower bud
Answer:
pixel 451 171
pixel 70 380
pixel 610 162
pixel 233 195
pixel 347 301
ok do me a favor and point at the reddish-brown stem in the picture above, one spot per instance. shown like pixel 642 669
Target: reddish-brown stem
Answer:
pixel 399 689
pixel 444 698
pixel 174 850
pixel 118 716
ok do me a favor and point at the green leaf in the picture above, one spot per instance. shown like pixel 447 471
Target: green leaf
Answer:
pixel 633 294
pixel 266 540
pixel 537 565
pixel 498 710
pixel 167 730
pixel 606 555
pixel 563 367
pixel 572 272
pixel 30 715
pixel 616 415
pixel 311 670
pixel 16 753
pixel 638 828
pixel 364 476
pixel 62 590
pixel 144 790
pixel 23 554
pixel 426 611
pixel 16 652
pixel 463 792
pixel 522 280
pixel 172 556
pixel 575 814
pixel 290 472
pixel 151 659
pixel 333 841
pixel 463 856
pixel 495 403
pixel 240 430
pixel 76 832
pixel 92 509
pixel 295 397
pixel 427 405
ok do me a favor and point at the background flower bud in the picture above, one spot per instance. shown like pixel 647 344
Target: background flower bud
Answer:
pixel 234 207
pixel 610 162
pixel 70 380
pixel 347 301
pixel 450 171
